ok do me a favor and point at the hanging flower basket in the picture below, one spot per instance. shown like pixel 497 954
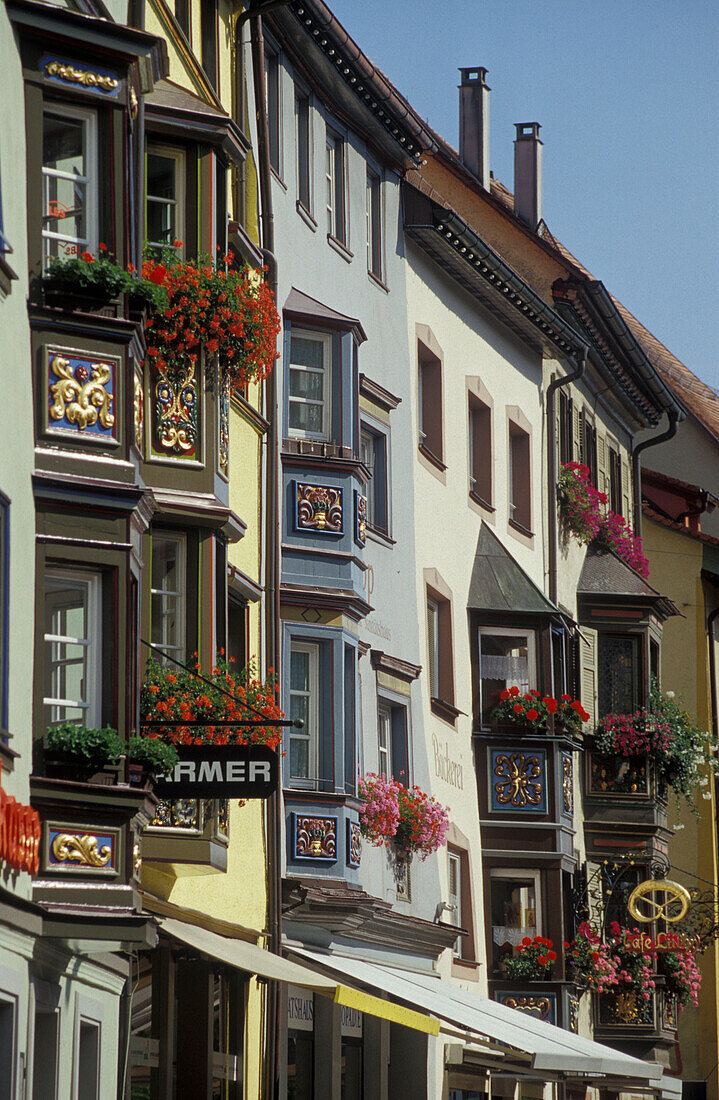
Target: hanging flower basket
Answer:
pixel 584 515
pixel 407 818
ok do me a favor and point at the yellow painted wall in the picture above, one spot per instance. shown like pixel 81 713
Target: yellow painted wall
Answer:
pixel 675 570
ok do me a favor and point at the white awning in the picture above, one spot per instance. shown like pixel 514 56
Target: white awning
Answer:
pixel 552 1049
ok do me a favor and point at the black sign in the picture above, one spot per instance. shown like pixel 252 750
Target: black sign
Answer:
pixel 221 771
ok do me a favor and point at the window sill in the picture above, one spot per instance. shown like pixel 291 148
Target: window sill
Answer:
pixel 278 178
pixel 445 710
pixel 431 457
pixel 306 216
pixel 481 502
pixel 465 968
pixel 382 537
pixel 521 528
pixel 378 282
pixel 340 248
pixel 8 756
pixel 6 276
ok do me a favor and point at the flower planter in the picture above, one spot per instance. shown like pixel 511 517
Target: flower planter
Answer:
pixel 108 776
pixel 139 777
pixel 75 301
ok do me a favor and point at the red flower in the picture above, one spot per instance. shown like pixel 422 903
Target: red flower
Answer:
pixel 518 708
pixel 584 715
pixel 526 942
pixel 551 705
pixel 566 698
pixel 102 247
pixel 177 243
pixel 87 257
pixel 158 274
pixel 552 956
pixel 514 690
pixel 504 696
pixel 542 960
pixel 532 714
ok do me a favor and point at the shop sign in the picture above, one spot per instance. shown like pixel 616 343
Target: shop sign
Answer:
pixel 659 899
pixel 19 835
pixel 300 1008
pixel 144 1052
pixel 351 1022
pixel 221 771
pixel 665 941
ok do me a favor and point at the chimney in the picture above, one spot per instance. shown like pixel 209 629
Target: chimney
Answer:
pixel 528 173
pixel 474 123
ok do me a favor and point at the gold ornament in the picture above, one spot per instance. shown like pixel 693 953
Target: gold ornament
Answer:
pixel 82 848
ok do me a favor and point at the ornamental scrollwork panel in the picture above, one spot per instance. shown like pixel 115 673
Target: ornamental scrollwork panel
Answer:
pixel 80 850
pixel 81 394
pixel 519 780
pixel 139 414
pixel 175 412
pixel 354 844
pixel 319 508
pixel 567 783
pixel 618 775
pixel 315 837
pixel 542 1006
pixel 100 80
pixel 361 519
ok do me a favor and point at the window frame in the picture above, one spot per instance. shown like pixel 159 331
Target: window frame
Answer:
pixel 92 705
pixel 478 408
pixel 518 435
pixel 89 118
pixel 384 720
pixel 433 646
pixel 335 179
pixel 309 782
pixel 519 874
pixel 615 479
pixel 456 914
pixel 374 223
pixel 430 435
pixel 273 103
pixel 325 338
pixel 179 651
pixel 378 511
pixel 507 631
pixel 179 156
pixel 303 160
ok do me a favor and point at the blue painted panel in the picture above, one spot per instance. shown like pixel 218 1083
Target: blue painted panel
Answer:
pixel 81 391
pixel 519 779
pixel 81 851
pixel 90 77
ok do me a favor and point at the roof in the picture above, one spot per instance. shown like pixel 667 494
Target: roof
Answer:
pixel 604 575
pixel 305 308
pixel 499 583
pixel 184 114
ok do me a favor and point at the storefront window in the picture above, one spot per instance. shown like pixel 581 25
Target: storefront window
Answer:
pixel 351 1054
pixel 300 1043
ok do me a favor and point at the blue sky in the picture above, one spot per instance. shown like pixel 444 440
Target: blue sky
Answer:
pixel 627 92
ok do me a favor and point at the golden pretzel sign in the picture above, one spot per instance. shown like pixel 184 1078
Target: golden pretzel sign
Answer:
pixel 645 908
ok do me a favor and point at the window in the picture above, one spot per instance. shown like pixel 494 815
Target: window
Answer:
pixel 5 246
pixel 7 1046
pixel 208 37
pixel 165 197
pixel 300 1043
pixel 454 872
pixel 520 501
pixel 182 15
pixel 237 629
pixel 618 673
pixel 272 92
pixel 374 224
pixel 439 650
pixel 566 450
pixel 335 175
pixel 72 648
pixel 589 446
pixel 304 704
pixel 506 659
pixel 615 481
pixel 393 740
pixel 430 402
pixel 309 390
pixel 515 911
pixel 168 586
pixel 384 742
pixel 4 608
pixel 88 1061
pixel 373 454
pixel 44 1071
pixel 69 179
pixel 480 450
pixel 302 134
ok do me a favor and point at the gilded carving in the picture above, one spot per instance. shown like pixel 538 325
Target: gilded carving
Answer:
pixel 540 1007
pixel 361 519
pixel 86 77
pixel 81 396
pixel 80 848
pixel 315 837
pixel 139 413
pixel 178 813
pixel 319 508
pixel 224 425
pixel 136 859
pixel 175 409
pixel 354 843
pixel 519 779
pixel 618 775
pixel 567 784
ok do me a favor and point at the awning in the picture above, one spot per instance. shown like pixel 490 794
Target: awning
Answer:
pixel 255 960
pixel 551 1049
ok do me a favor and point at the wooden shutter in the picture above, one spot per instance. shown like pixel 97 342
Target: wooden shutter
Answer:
pixel 589 674
pixel 602 478
pixel 626 495
pixel 576 434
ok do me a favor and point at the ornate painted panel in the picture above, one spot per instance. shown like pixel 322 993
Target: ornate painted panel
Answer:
pixel 86 851
pixel 354 844
pixel 60 71
pixel 360 518
pixel 627 1008
pixel 567 783
pixel 319 508
pixel 178 813
pixel 616 775
pixel 519 779
pixel 138 413
pixel 314 837
pixel 175 413
pixel 541 1005
pixel 223 427
pixel 81 394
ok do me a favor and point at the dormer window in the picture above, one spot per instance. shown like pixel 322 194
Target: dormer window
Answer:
pixel 69 179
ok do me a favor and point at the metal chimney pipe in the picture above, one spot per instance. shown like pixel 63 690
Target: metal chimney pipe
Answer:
pixel 528 173
pixel 474 123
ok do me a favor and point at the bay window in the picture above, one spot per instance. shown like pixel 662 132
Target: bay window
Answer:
pixel 72 647
pixel 69 181
pixel 304 705
pixel 310 385
pixel 506 659
pixel 515 909
pixel 165 218
pixel 619 673
pixel 168 587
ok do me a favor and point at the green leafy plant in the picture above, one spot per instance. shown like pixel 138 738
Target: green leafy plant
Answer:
pixel 533 962
pixel 96 276
pixel 69 743
pixel 536 711
pixel 157 757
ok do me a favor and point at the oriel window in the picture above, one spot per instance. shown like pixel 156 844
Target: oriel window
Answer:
pixel 309 389
pixel 169 567
pixel 69 180
pixel 72 648
pixel 304 705
pixel 165 198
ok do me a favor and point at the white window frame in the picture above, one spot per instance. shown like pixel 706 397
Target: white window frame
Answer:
pixel 336 151
pixel 326 370
pixel 311 735
pixel 89 1013
pixel 179 650
pixel 433 646
pixel 519 874
pixel 180 162
pixel 455 898
pixel 91 180
pixel 92 704
pixel 384 724
pixel 508 631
